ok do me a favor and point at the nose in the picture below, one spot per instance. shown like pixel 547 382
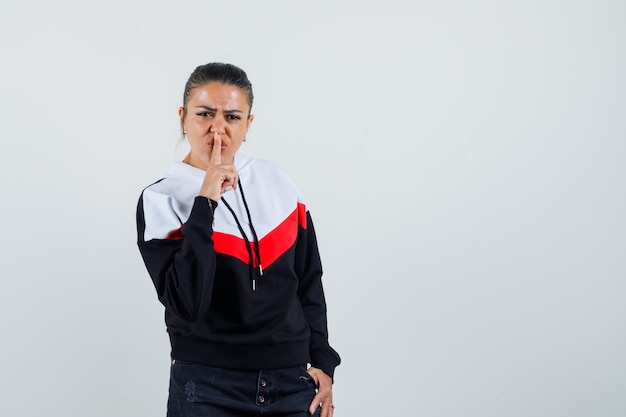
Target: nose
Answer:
pixel 218 125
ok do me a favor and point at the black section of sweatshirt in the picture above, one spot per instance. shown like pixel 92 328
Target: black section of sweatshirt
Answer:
pixel 213 316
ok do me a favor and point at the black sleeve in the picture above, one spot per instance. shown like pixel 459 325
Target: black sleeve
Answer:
pixel 311 293
pixel 182 269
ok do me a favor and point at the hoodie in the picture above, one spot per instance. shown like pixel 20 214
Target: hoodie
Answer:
pixel 240 278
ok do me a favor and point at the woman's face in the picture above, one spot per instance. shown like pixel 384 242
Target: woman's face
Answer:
pixel 215 108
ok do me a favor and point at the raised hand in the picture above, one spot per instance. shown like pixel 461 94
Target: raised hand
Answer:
pixel 218 178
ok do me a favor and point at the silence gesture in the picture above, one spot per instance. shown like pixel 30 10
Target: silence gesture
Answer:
pixel 219 178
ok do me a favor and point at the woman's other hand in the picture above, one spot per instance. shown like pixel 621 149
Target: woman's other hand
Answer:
pixel 324 394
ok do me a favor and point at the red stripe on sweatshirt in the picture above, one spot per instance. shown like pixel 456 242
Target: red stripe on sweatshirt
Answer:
pixel 273 245
pixel 176 234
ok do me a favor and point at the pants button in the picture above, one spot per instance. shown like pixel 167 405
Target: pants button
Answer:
pixel 263 383
pixel 261 399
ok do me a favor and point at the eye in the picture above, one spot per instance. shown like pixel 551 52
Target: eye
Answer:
pixel 204 114
pixel 233 117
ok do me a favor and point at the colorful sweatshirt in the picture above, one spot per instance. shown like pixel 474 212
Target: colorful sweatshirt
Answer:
pixel 240 279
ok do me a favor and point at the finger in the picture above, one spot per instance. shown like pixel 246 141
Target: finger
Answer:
pixel 319 401
pixel 216 153
pixel 315 403
pixel 327 408
pixel 228 181
pixel 327 411
pixel 230 178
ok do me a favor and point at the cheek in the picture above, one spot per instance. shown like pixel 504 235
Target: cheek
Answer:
pixel 196 141
pixel 196 124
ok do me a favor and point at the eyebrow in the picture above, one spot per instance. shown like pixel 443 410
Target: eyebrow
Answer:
pixel 213 109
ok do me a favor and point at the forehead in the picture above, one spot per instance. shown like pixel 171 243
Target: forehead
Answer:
pixel 218 94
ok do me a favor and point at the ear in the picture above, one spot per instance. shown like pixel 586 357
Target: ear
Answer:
pixel 250 119
pixel 181 116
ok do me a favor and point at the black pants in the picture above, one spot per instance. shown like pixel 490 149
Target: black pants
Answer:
pixel 204 391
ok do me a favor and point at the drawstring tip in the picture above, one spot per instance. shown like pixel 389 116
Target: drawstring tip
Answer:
pixel 254 285
pixel 260 270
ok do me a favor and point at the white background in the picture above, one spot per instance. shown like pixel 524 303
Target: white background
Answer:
pixel 464 162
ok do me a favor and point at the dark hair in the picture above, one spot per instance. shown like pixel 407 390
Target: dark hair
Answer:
pixel 216 71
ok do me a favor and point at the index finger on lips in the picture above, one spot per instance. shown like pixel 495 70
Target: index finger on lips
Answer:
pixel 216 152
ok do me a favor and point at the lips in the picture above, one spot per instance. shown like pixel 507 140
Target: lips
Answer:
pixel 211 144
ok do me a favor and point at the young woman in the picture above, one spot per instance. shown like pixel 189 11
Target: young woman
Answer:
pixel 232 253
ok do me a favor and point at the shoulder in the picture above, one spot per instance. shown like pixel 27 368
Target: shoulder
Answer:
pixel 178 181
pixel 167 203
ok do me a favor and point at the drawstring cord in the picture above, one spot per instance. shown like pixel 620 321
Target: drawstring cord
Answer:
pixel 245 237
pixel 256 239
